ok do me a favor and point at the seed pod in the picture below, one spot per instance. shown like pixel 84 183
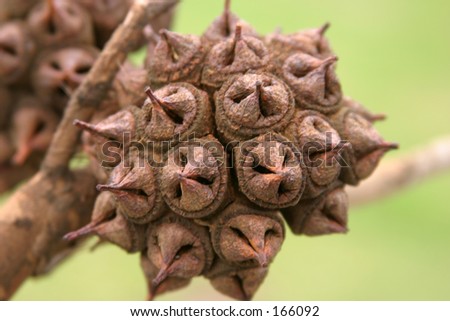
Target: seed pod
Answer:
pixel 129 85
pixel 133 183
pixel 60 23
pixel 17 50
pixel 169 284
pixel 110 225
pixel 270 171
pixel 314 82
pixel 323 215
pixel 58 73
pixel 6 101
pixel 15 8
pixel 246 236
pixel 33 127
pixel 311 41
pixel 367 146
pixel 234 56
pixel 195 180
pixel 176 58
pixel 239 283
pixel 359 109
pixel 112 136
pixel 224 27
pixel 252 104
pixel 178 248
pixel 175 113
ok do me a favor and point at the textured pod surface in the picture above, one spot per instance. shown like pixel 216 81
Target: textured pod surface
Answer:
pixel 195 180
pixel 270 171
pixel 326 214
pixel 247 236
pixel 252 104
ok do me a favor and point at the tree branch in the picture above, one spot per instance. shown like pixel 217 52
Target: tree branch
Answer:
pixel 399 173
pixel 56 200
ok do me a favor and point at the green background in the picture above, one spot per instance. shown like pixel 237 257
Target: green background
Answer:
pixel 394 57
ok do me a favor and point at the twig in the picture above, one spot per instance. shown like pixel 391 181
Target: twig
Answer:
pixel 399 173
pixel 56 200
pixel 97 83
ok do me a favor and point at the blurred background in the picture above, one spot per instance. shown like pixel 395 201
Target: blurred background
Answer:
pixel 394 57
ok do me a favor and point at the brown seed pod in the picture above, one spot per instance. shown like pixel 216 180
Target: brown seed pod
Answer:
pixel 195 179
pixel 311 41
pixel 60 23
pixel 224 27
pixel 15 8
pixel 129 85
pixel 367 146
pixel 171 283
pixel 175 113
pixel 133 183
pixel 176 58
pixel 33 126
pixel 112 136
pixel 270 172
pixel 178 248
pixel 17 50
pixel 247 236
pixel 311 130
pixel 240 283
pixel 6 102
pixel 323 215
pixel 252 104
pixel 58 73
pixel 110 225
pixel 234 56
pixel 313 81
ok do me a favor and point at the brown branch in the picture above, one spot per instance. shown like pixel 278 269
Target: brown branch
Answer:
pixel 56 200
pixel 404 171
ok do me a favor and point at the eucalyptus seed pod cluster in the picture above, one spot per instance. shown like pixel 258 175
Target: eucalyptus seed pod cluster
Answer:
pixel 235 135
pixel 47 48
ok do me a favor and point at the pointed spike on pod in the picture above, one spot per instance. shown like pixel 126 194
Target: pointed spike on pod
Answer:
pixel 166 108
pixel 388 146
pixel 329 61
pixel 322 30
pixel 238 33
pixel 88 127
pixel 85 230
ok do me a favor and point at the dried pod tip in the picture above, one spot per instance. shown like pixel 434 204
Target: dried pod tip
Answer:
pixel 166 107
pixel 88 127
pixel 238 33
pixel 85 230
pixel 322 30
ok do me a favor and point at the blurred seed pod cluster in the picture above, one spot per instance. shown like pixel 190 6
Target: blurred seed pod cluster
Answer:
pixel 235 135
pixel 47 47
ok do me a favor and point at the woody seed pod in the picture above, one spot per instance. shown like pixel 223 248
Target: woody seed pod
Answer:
pixel 224 27
pixel 33 127
pixel 175 113
pixel 17 50
pixel 252 104
pixel 58 73
pixel 270 171
pixel 60 22
pixel 129 85
pixel 178 248
pixel 133 183
pixel 323 215
pixel 314 82
pixel 109 225
pixel 233 56
pixel 246 236
pixel 359 109
pixel 171 283
pixel 312 42
pixel 176 58
pixel 240 283
pixel 195 180
pixel 367 146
